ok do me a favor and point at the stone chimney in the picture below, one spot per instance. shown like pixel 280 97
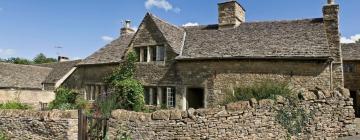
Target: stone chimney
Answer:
pixel 63 58
pixel 331 23
pixel 231 14
pixel 126 29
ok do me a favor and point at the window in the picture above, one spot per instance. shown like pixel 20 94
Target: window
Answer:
pixel 160 53
pixel 350 68
pixel 152 53
pixel 93 91
pixel 167 96
pixel 150 95
pixel 170 92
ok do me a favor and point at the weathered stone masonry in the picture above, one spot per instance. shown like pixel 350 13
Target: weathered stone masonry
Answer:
pixel 39 125
pixel 333 117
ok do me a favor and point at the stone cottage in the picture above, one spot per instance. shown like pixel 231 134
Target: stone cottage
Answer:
pixel 33 84
pixel 351 60
pixel 195 67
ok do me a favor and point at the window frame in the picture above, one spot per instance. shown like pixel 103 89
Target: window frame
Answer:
pixel 94 91
pixel 349 67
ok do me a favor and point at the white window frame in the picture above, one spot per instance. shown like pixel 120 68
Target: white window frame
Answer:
pixel 170 96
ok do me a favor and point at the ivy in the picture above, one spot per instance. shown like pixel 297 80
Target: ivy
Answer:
pixel 126 92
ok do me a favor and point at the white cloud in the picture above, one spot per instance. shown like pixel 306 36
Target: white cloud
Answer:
pixel 107 38
pixel 6 52
pixel 352 39
pixel 161 4
pixel 191 24
pixel 76 58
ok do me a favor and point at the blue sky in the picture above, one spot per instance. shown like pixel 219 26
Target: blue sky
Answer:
pixel 80 27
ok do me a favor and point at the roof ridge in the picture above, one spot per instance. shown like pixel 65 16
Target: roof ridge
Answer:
pixel 23 65
pixel 154 16
pixel 265 21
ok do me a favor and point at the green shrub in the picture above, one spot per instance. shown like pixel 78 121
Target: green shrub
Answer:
pixel 267 89
pixel 293 117
pixel 3 136
pixel 14 105
pixel 65 99
pixel 127 93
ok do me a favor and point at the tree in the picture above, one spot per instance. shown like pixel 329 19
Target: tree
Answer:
pixel 18 60
pixel 41 58
pixel 358 41
pixel 126 91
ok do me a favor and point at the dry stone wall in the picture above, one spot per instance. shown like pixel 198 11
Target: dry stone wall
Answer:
pixel 333 117
pixel 44 125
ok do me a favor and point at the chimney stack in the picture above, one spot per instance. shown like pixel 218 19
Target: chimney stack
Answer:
pixel 231 14
pixel 127 28
pixel 63 58
pixel 331 24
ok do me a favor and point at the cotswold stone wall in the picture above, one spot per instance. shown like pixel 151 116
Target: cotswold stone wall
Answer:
pixel 44 125
pixel 221 77
pixel 333 117
pixel 30 97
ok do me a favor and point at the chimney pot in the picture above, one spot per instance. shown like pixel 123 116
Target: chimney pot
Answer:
pixel 331 2
pixel 127 28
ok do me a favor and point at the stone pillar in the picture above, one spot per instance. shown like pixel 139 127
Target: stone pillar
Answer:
pixel 159 96
pixel 142 55
pixel 184 101
pixel 149 52
pixel 331 23
pixel 151 96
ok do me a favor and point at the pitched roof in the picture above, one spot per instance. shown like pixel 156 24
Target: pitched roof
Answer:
pixel 111 53
pixel 22 76
pixel 173 34
pixel 275 39
pixel 351 51
pixel 59 70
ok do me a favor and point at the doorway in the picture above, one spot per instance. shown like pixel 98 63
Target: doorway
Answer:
pixel 356 103
pixel 195 98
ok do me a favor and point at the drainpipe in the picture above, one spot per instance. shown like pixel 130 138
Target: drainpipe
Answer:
pixel 331 62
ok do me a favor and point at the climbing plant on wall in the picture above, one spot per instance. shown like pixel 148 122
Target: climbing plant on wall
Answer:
pixel 126 91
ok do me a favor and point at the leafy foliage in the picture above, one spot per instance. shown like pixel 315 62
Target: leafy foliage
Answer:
pixel 16 60
pixel 267 89
pixel 293 117
pixel 3 136
pixel 41 59
pixel 38 59
pixel 14 105
pixel 67 99
pixel 126 91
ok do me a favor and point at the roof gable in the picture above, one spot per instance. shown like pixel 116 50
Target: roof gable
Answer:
pixel 298 38
pixel 153 30
pixel 59 70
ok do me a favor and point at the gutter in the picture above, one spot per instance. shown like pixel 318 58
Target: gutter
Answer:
pixel 254 58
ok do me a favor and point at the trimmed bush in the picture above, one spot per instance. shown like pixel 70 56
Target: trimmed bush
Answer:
pixel 14 105
pixel 67 99
pixel 267 89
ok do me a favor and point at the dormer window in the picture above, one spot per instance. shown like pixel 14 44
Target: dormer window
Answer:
pixel 150 53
